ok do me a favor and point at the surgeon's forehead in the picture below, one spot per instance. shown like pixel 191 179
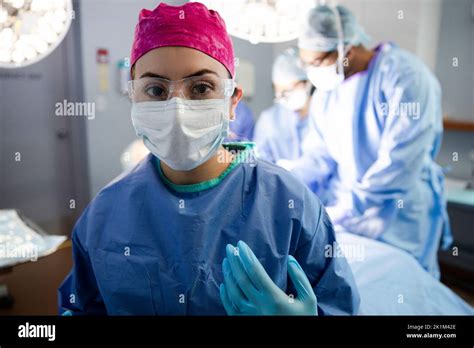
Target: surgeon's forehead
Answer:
pixel 287 85
pixel 309 56
pixel 175 63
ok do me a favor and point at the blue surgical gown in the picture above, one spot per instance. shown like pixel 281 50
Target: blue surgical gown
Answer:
pixel 279 134
pixel 145 246
pixel 377 134
pixel 242 128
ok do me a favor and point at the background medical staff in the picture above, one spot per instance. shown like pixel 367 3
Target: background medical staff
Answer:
pixel 242 128
pixel 375 130
pixel 280 130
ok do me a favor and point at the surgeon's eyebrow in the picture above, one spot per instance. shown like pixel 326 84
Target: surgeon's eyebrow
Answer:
pixel 202 72
pixel 197 73
pixel 149 74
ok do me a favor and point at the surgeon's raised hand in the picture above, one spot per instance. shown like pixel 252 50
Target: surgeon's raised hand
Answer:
pixel 248 290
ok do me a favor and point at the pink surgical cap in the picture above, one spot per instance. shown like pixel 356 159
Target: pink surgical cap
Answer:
pixel 191 25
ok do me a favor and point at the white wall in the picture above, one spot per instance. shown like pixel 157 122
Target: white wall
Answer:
pixel 457 42
pixel 261 55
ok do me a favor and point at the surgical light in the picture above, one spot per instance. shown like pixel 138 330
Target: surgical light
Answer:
pixel 31 29
pixel 262 20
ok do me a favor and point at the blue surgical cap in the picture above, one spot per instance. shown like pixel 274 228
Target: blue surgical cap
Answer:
pixel 320 29
pixel 287 68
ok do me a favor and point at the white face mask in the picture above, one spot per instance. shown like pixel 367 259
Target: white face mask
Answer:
pixel 325 78
pixel 182 133
pixel 295 100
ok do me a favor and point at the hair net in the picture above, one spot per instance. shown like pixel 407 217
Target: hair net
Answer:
pixel 286 68
pixel 320 29
pixel 190 25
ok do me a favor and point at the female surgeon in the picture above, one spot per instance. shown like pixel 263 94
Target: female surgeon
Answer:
pixel 175 235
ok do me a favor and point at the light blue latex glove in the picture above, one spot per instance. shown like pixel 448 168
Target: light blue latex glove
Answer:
pixel 248 290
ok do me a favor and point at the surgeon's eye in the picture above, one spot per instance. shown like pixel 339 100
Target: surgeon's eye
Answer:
pixel 155 92
pixel 201 89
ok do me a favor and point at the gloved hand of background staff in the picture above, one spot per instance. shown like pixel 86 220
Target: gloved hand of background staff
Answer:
pixel 248 290
pixel 286 164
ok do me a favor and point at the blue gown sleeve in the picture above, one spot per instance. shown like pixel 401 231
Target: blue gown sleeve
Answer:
pixel 326 267
pixel 263 137
pixel 243 126
pixel 406 141
pixel 79 293
pixel 315 165
pixel 248 126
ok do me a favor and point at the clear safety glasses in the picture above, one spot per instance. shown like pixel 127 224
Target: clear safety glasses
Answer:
pixel 300 85
pixel 207 86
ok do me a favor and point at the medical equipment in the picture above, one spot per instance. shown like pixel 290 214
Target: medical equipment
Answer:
pixel 103 59
pixel 470 185
pixel 260 20
pixel 31 30
pixel 22 241
pixel 457 262
pixel 124 75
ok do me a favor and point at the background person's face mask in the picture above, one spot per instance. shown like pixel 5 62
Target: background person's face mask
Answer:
pixel 182 133
pixel 295 100
pixel 327 78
